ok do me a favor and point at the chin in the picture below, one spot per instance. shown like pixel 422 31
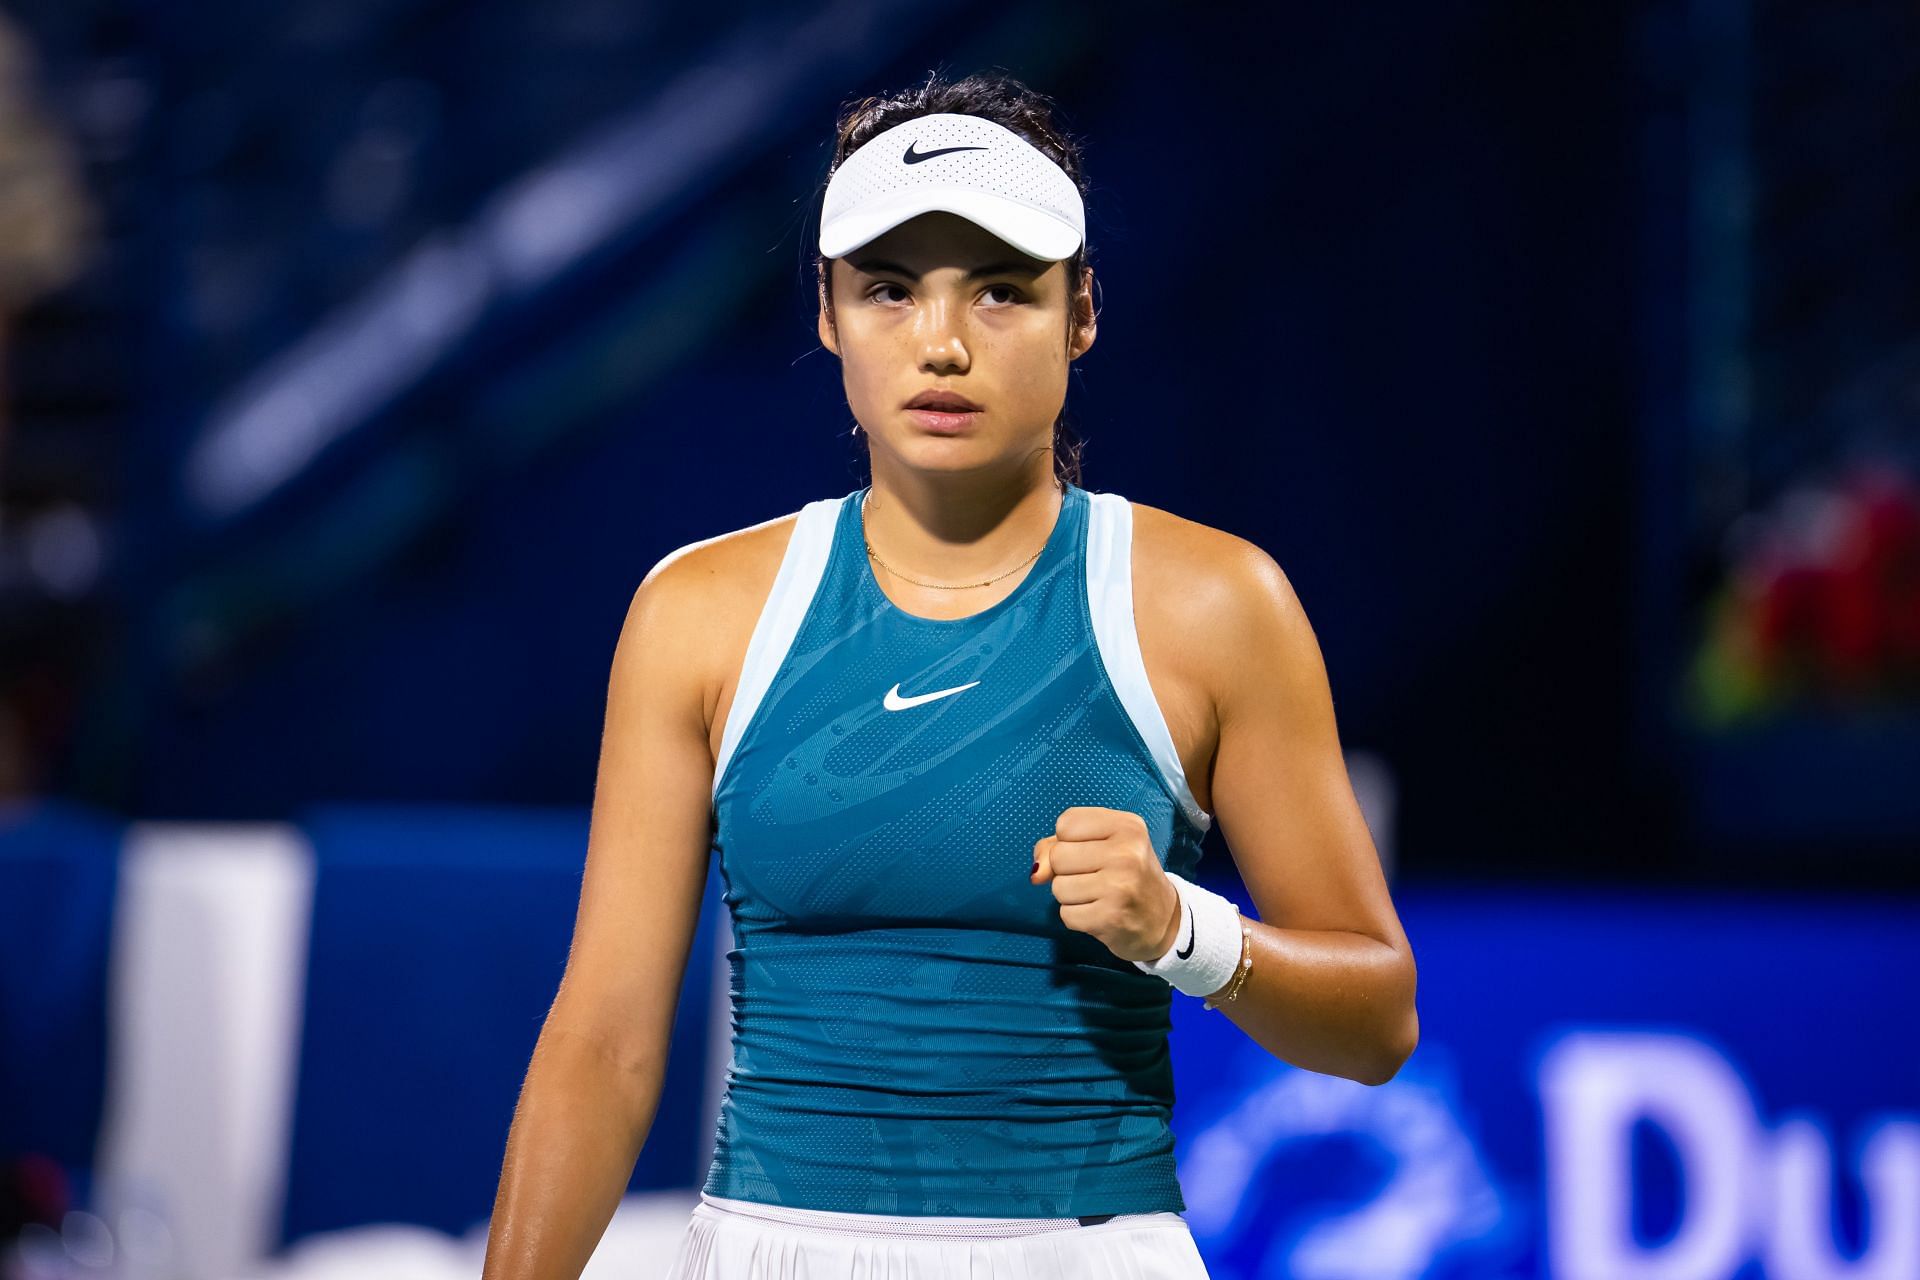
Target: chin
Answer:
pixel 952 454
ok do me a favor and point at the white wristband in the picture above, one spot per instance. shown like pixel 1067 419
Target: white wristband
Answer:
pixel 1209 935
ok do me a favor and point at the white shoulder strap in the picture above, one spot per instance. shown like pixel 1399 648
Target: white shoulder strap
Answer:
pixel 801 569
pixel 1110 599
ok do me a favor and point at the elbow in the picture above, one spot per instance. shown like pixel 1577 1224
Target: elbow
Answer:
pixel 1397 1052
pixel 1404 1036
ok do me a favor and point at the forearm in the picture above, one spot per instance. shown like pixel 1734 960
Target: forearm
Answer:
pixel 578 1128
pixel 1328 1000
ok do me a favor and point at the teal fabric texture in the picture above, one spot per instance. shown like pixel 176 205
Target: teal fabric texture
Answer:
pixel 914 1030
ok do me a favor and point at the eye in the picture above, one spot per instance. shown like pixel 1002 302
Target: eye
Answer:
pixel 1009 288
pixel 877 288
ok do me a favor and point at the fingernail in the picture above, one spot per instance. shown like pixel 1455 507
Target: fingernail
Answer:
pixel 1036 869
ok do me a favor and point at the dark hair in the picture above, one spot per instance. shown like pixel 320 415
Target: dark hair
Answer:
pixel 996 96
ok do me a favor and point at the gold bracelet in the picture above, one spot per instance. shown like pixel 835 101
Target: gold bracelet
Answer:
pixel 1240 970
pixel 1244 968
pixel 1246 963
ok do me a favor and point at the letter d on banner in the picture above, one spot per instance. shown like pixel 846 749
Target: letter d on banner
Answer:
pixel 1593 1088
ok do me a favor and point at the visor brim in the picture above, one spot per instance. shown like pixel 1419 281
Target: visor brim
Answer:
pixel 1032 232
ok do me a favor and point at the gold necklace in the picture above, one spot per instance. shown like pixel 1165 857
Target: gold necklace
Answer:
pixel 941 585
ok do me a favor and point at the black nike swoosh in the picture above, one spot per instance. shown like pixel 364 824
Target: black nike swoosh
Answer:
pixel 1189 951
pixel 914 157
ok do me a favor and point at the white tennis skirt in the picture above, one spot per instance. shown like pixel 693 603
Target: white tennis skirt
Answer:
pixel 741 1240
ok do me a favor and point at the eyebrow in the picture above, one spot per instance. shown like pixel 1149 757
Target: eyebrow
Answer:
pixel 874 266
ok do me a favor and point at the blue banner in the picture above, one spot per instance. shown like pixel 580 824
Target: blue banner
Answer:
pixel 1609 1086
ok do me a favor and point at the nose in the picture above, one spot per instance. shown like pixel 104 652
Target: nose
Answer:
pixel 943 346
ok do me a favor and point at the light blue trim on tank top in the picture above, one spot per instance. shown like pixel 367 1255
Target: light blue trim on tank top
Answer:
pixel 1107 597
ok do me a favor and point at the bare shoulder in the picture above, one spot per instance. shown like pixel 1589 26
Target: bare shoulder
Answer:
pixel 703 598
pixel 1204 574
pixel 717 571
pixel 1195 582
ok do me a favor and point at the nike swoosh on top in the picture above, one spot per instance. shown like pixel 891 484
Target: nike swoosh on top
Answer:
pixel 1189 951
pixel 915 157
pixel 894 702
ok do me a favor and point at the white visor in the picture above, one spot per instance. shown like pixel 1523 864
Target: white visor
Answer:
pixel 966 165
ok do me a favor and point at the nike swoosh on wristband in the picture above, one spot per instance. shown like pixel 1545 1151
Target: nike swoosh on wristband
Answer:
pixel 894 702
pixel 1189 951
pixel 913 157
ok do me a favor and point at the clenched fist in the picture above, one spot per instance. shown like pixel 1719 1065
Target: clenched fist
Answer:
pixel 1109 881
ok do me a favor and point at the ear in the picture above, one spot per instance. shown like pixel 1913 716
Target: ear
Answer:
pixel 823 323
pixel 1085 325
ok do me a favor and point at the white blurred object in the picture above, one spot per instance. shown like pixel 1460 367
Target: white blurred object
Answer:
pixel 1373 787
pixel 205 993
pixel 638 1244
pixel 63 550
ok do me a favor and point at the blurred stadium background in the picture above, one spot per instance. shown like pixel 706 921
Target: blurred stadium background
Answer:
pixel 361 356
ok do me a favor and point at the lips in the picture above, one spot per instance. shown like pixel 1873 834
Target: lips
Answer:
pixel 943 402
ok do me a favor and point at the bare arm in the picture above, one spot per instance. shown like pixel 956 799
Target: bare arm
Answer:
pixel 1332 985
pixel 594 1083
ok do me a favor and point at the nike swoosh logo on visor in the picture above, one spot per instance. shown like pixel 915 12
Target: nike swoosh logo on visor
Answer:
pixel 894 702
pixel 915 157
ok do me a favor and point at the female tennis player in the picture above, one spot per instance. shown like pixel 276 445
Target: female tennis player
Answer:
pixel 955 738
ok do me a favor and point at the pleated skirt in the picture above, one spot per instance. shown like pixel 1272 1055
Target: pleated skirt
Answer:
pixel 741 1240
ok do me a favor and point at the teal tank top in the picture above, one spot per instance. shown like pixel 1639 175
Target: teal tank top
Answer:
pixel 915 1032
